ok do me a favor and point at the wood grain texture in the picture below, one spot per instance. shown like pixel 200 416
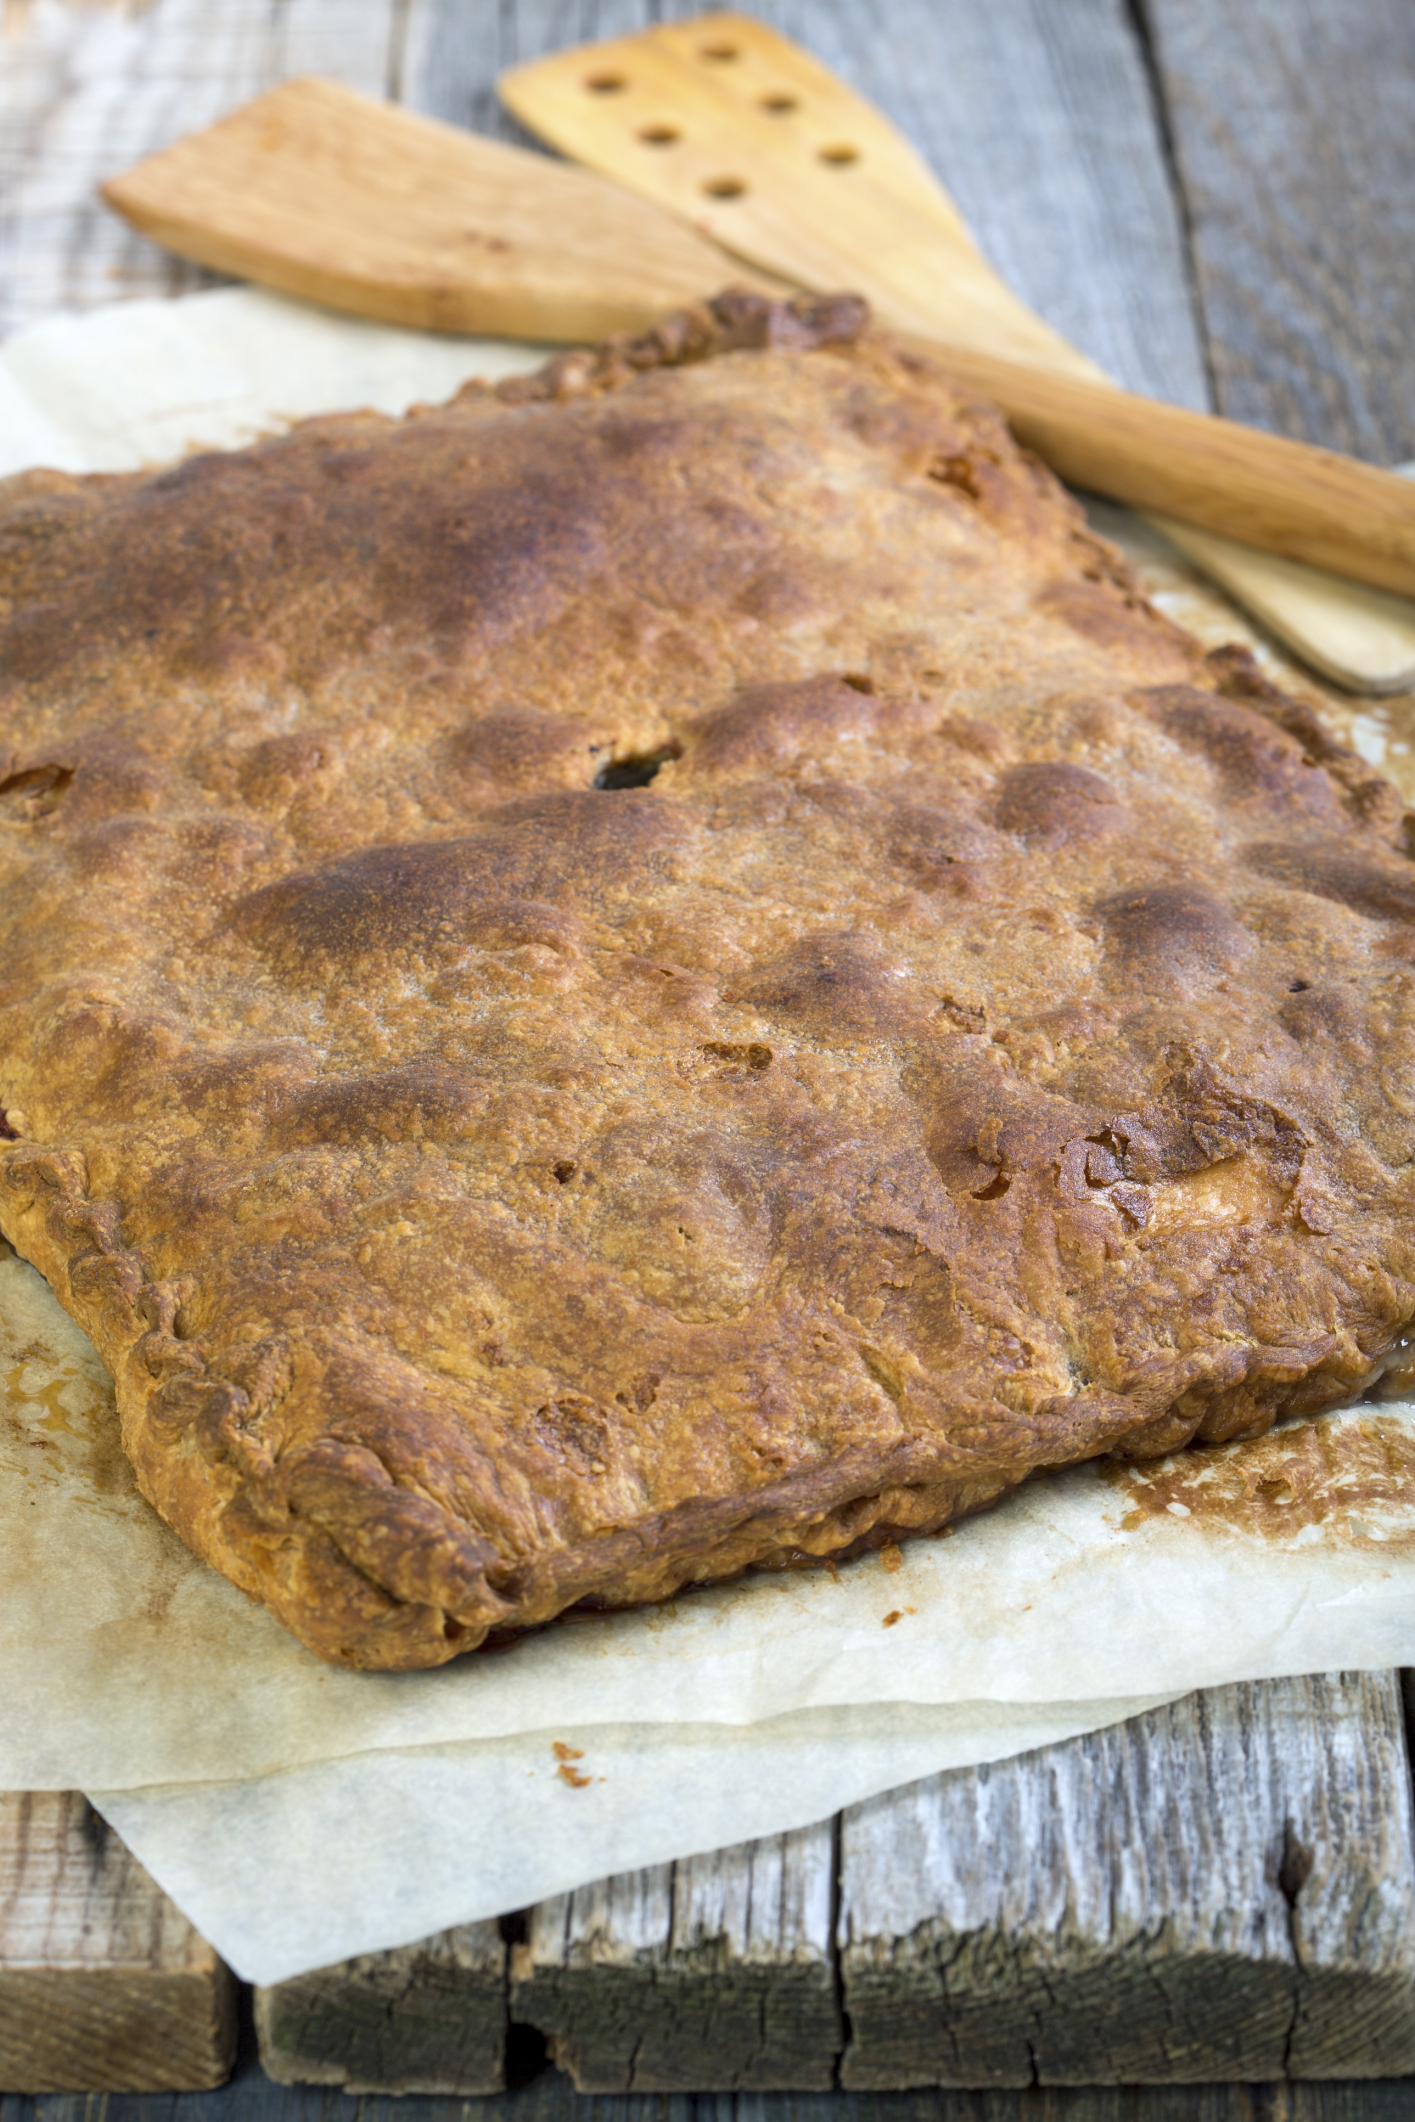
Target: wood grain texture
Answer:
pixel 1039 120
pixel 731 127
pixel 104 1985
pixel 413 221
pixel 86 91
pixel 1222 1889
pixel 1073 206
pixel 550 2097
pixel 427 2018
pixel 715 1973
pixel 1294 130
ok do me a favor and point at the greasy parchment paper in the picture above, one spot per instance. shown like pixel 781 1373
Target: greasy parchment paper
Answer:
pixel 300 1814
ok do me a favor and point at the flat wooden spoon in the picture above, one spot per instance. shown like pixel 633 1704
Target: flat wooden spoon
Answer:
pixel 748 138
pixel 361 206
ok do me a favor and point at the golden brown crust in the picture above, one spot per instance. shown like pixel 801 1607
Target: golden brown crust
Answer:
pixel 667 968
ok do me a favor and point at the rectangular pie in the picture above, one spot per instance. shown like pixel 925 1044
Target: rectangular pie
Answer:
pixel 663 969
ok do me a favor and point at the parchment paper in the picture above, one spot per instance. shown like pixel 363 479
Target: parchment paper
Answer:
pixel 384 1848
pixel 131 1671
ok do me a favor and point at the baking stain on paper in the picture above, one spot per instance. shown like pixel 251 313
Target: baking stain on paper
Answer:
pixel 1350 1474
pixel 58 1424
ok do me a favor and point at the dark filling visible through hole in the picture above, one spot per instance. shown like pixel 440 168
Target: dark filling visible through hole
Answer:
pixel 1298 987
pixel 755 1056
pixel 565 1170
pixel 33 783
pixel 858 682
pixel 7 1133
pixel 636 771
pixel 994 1190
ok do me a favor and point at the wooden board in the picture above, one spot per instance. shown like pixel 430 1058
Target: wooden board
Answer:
pixel 552 2098
pixel 428 2018
pixel 1293 124
pixel 85 91
pixel 104 1985
pixel 713 1974
pixel 1222 1889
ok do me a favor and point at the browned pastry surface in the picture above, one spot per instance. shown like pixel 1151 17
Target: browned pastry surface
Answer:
pixel 984 1041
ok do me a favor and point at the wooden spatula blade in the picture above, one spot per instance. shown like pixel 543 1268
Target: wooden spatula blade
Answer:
pixel 361 206
pixel 752 141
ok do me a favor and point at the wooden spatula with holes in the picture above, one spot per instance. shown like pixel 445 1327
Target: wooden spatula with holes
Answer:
pixel 748 138
pixel 366 208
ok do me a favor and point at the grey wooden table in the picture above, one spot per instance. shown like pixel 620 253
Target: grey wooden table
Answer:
pixel 1216 199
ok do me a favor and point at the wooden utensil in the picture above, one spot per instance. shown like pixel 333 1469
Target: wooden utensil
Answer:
pixel 742 133
pixel 361 206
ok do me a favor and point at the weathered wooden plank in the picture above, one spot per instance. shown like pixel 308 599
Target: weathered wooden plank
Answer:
pixel 251 2097
pixel 712 1974
pixel 427 2018
pixel 1221 1889
pixel 1294 132
pixel 357 42
pixel 94 90
pixel 104 1985
pixel 1038 119
pixel 86 91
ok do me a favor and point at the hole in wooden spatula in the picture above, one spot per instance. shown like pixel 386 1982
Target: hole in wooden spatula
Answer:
pixel 724 187
pixel 777 105
pixel 605 84
pixel 840 156
pixel 718 52
pixel 659 135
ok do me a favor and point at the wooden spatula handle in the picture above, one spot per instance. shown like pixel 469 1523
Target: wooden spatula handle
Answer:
pixel 1288 497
